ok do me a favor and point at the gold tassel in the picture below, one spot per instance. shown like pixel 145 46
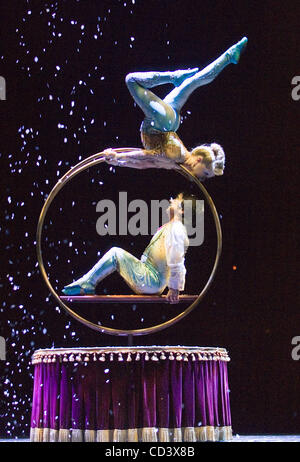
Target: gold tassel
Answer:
pixel 53 435
pixel 222 433
pixel 217 433
pixel 164 435
pixel 77 435
pixel 38 435
pixel 46 435
pixel 225 433
pixel 210 432
pixel 103 436
pixel 119 436
pixel 189 434
pixel 32 433
pixel 177 435
pixel 133 436
pixel 64 435
pixel 149 435
pixel 89 436
pixel 201 433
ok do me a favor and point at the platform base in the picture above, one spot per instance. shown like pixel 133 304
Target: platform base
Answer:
pixel 131 394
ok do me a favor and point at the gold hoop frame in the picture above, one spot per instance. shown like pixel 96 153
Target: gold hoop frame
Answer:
pixel 80 167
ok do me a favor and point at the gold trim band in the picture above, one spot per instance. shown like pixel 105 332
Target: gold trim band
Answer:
pixel 128 354
pixel 149 434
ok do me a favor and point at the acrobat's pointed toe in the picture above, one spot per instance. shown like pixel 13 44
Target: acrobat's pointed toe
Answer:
pixel 237 50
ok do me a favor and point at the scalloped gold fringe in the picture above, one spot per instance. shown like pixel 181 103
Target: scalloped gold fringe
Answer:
pixel 64 435
pixel 90 436
pixel 164 435
pixel 119 436
pixel 177 435
pixel 133 435
pixel 53 435
pixel 103 436
pixel 189 434
pixel 77 435
pixel 148 434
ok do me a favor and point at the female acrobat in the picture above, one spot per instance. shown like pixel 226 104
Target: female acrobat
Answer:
pixel 162 146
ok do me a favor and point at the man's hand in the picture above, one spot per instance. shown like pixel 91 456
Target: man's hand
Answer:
pixel 173 296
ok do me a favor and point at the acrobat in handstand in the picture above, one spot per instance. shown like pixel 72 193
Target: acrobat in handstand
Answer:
pixel 162 146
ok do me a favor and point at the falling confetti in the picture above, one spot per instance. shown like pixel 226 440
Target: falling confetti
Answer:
pixel 67 64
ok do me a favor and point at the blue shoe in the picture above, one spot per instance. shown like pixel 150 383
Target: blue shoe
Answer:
pixel 79 287
pixel 236 50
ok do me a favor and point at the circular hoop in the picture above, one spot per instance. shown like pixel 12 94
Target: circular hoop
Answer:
pixel 80 167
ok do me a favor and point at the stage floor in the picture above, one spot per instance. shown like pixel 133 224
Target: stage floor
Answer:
pixel 236 439
pixel 266 438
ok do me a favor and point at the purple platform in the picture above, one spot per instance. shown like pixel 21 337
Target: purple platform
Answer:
pixel 131 394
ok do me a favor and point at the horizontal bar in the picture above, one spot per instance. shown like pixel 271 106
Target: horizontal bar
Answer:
pixel 124 298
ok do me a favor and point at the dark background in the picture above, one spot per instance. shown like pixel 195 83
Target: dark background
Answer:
pixel 253 310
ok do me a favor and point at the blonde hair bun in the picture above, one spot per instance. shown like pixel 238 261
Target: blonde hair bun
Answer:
pixel 212 154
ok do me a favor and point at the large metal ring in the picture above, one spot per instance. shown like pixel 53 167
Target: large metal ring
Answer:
pixel 80 167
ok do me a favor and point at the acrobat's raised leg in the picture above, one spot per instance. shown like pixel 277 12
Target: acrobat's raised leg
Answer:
pixel 162 114
pixel 179 95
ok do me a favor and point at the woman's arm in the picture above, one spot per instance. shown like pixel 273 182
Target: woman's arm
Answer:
pixel 137 158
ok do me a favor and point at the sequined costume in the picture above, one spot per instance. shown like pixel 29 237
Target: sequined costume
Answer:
pixel 162 146
pixel 161 265
pixel 162 116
